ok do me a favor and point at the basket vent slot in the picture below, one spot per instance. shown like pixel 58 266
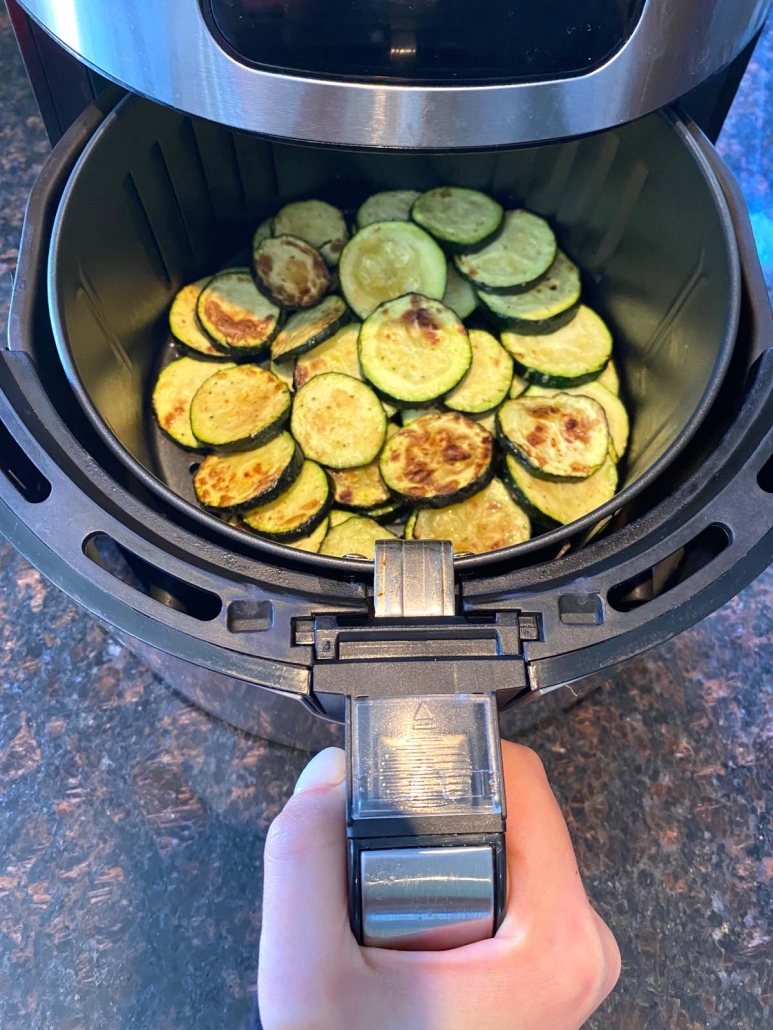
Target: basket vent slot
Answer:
pixel 146 579
pixel 20 471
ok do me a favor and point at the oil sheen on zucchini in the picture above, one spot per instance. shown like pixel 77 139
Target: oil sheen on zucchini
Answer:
pixel 545 307
pixel 317 222
pixel 229 482
pixel 460 218
pixel 185 326
pixel 389 206
pixel 553 503
pixel 308 328
pixel 388 259
pixel 438 460
pixel 236 314
pixel 356 536
pixel 175 388
pixel 487 521
pixel 617 416
pixel 338 354
pixel 297 511
pixel 414 349
pixel 572 355
pixel 291 271
pixel 561 437
pixel 519 256
pixel 240 407
pixel 338 421
pixel 488 380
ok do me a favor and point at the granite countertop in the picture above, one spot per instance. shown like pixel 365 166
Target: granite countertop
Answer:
pixel 132 824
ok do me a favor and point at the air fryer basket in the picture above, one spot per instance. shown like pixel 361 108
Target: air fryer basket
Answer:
pixel 158 199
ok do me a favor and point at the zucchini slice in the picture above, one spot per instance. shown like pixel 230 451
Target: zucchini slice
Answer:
pixel 338 421
pixel 240 408
pixel 175 388
pixel 571 356
pixel 388 259
pixel 297 511
pixel 414 349
pixel 408 415
pixel 319 223
pixel 236 314
pixel 488 379
pixel 459 295
pixel 362 489
pixel 357 537
pixel 228 482
pixel 559 437
pixel 520 255
pixel 518 386
pixel 185 326
pixel 313 541
pixel 463 219
pixel 284 370
pixel 487 521
pixel 387 512
pixel 338 354
pixel 336 517
pixel 263 231
pixel 438 460
pixel 488 421
pixel 410 525
pixel 617 416
pixel 389 206
pixel 553 302
pixel 560 503
pixel 307 329
pixel 291 271
pixel 610 378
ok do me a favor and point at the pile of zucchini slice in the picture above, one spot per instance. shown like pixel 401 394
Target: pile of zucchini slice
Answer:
pixel 428 371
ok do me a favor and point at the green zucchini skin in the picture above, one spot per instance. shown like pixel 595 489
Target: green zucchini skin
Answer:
pixel 239 408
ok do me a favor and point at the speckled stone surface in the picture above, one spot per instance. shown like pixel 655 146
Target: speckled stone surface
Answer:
pixel 132 824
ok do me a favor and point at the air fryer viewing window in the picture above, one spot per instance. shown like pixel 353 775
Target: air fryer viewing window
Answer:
pixel 428 40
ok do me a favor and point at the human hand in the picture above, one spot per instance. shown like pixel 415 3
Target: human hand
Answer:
pixel 551 964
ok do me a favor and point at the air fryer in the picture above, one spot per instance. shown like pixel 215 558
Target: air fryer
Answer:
pixel 421 649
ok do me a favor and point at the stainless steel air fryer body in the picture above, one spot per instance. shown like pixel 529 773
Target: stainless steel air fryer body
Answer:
pixel 436 74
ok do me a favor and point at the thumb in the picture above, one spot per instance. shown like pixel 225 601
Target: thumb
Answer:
pixel 305 911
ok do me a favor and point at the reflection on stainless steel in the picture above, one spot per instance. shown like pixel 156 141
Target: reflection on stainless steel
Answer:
pixel 427 898
pixel 165 51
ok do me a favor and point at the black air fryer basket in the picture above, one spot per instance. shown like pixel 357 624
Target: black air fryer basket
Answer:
pixel 134 202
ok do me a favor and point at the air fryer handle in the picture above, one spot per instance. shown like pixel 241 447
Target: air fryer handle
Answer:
pixel 425 796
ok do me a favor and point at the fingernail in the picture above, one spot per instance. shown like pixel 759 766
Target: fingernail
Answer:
pixel 326 769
